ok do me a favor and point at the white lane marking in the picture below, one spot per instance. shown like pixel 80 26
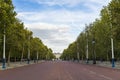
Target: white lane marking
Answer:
pixel 92 72
pixel 85 69
pixel 70 77
pixel 100 75
pixel 103 76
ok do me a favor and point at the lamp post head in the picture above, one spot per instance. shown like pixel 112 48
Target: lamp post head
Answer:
pixel 93 41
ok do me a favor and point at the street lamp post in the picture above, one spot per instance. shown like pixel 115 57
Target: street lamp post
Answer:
pixel 112 47
pixel 78 55
pixel 29 50
pixel 87 59
pixel 113 60
pixel 4 59
pixel 94 55
pixel 4 38
pixel 37 56
pixel 28 56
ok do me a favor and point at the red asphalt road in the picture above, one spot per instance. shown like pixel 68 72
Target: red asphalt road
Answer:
pixel 60 70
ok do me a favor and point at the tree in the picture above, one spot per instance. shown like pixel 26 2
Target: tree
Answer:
pixel 18 38
pixel 101 30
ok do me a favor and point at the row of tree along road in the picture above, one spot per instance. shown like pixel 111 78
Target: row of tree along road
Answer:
pixel 17 42
pixel 96 41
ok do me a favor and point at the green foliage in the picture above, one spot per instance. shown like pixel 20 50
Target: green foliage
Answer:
pixel 70 53
pixel 101 30
pixel 18 38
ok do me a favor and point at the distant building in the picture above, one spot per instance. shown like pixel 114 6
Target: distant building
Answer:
pixel 57 55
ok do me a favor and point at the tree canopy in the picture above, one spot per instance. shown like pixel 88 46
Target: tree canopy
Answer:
pixel 18 38
pixel 101 30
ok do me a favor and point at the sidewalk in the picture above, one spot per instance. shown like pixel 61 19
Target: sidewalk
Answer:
pixel 108 64
pixel 104 64
pixel 17 64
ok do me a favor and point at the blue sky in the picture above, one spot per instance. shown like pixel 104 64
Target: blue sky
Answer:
pixel 58 22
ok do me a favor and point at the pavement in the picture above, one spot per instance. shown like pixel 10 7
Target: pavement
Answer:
pixel 104 64
pixel 98 63
pixel 108 64
pixel 17 64
pixel 60 70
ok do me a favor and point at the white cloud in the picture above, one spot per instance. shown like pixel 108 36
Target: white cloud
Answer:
pixel 58 28
pixel 58 16
pixel 70 3
pixel 46 26
pixel 56 38
pixel 58 2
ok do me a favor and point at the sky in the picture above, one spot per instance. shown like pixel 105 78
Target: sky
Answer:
pixel 58 22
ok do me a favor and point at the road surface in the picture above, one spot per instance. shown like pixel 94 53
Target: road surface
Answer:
pixel 60 70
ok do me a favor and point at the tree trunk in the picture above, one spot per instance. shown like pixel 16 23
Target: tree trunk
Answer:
pixel 9 57
pixel 15 59
pixel 82 57
pixel 107 55
pixel 22 55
